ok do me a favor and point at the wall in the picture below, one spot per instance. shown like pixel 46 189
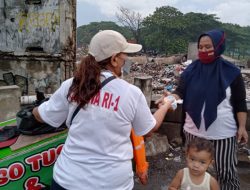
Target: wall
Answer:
pixel 9 95
pixel 44 75
pixel 192 51
pixel 145 84
pixel 37 41
pixel 29 27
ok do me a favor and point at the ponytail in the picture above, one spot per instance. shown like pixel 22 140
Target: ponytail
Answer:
pixel 86 83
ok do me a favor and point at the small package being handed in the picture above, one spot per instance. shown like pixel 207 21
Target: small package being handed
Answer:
pixel 174 103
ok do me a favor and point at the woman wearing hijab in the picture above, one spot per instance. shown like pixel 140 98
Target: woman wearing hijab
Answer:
pixel 214 101
pixel 98 151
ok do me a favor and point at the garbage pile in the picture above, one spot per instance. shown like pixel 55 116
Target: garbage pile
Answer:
pixel 165 76
pixel 246 78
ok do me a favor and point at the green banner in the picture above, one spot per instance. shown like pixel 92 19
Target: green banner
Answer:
pixel 30 168
pixel 8 122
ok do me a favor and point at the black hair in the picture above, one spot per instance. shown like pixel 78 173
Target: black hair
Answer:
pixel 201 144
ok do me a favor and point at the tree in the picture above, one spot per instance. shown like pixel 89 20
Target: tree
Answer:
pixel 86 32
pixel 237 40
pixel 132 20
pixel 168 31
pixel 162 29
pixel 197 23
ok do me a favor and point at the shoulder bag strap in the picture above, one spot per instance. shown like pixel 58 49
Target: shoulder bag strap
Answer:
pixel 106 81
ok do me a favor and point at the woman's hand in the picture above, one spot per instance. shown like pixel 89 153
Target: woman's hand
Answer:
pixel 167 95
pixel 160 113
pixel 160 102
pixel 168 101
pixel 242 135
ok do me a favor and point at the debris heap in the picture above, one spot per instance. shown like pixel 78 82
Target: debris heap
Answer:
pixel 166 72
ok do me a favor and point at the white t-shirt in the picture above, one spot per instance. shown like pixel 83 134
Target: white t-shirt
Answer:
pixel 97 153
pixel 223 127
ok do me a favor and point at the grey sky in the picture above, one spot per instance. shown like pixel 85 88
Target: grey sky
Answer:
pixel 229 11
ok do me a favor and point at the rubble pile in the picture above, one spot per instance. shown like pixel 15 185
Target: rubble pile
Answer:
pixel 246 78
pixel 165 75
pixel 162 75
pixel 165 71
pixel 81 52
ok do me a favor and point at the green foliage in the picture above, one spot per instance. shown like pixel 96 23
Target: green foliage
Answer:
pixel 238 41
pixel 197 23
pixel 168 31
pixel 161 29
pixel 86 32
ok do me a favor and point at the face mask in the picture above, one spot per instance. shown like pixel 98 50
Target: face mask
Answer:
pixel 126 67
pixel 207 57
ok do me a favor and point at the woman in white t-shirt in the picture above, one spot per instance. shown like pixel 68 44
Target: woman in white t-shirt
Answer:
pixel 98 151
pixel 214 101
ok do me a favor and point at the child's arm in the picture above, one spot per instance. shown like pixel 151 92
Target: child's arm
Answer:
pixel 140 157
pixel 176 182
pixel 214 184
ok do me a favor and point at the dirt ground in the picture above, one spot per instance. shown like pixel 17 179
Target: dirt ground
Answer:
pixel 161 172
pixel 163 169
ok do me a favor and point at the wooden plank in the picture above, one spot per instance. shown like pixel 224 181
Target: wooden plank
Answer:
pixel 25 140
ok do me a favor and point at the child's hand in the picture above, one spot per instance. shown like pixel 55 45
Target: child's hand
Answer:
pixel 143 176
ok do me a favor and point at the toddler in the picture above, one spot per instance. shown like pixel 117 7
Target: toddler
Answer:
pixel 199 156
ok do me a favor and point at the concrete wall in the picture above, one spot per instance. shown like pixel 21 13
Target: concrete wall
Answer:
pixel 25 26
pixel 44 75
pixel 9 95
pixel 192 51
pixel 37 41
pixel 145 84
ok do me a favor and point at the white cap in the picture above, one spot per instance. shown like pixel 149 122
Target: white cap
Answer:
pixel 109 42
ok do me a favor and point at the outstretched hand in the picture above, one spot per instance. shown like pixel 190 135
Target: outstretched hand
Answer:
pixel 160 101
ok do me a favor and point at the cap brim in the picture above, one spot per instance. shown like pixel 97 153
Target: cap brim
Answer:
pixel 132 48
pixel 8 143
